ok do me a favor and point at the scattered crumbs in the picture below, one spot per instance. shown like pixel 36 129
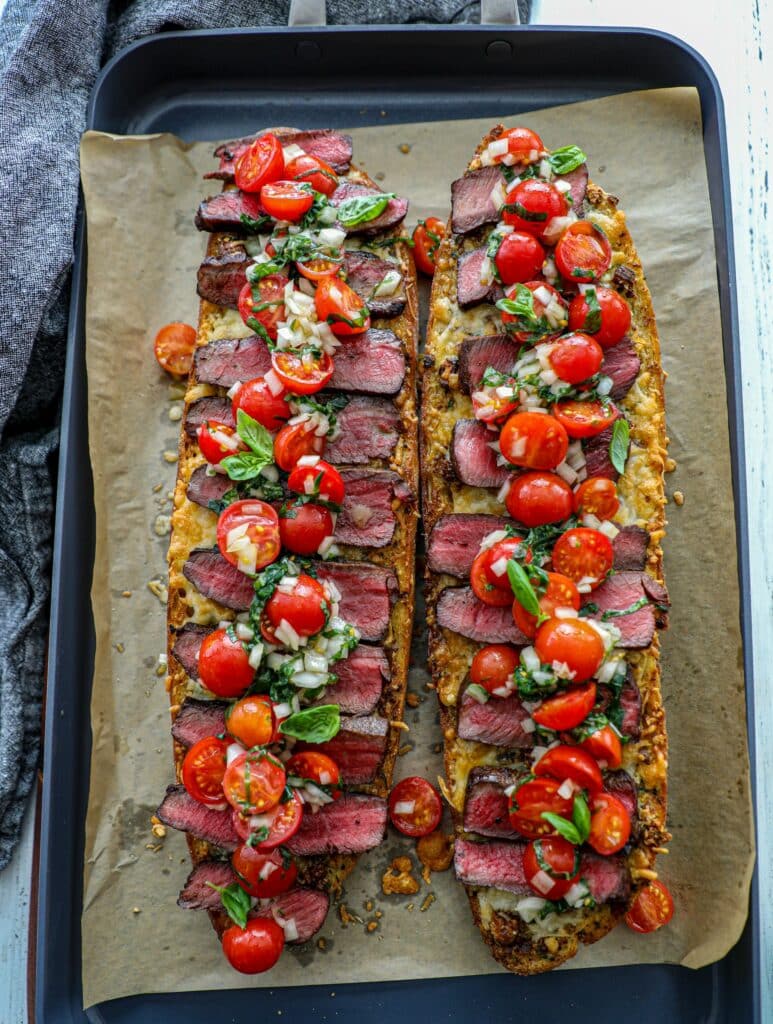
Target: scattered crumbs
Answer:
pixel 437 748
pixel 368 905
pixel 670 466
pixel 678 498
pixel 371 926
pixel 170 456
pixel 405 749
pixel 412 700
pixel 174 709
pixel 162 525
pixel 379 914
pixel 379 176
pixel 404 147
pixel 154 847
pixel 120 648
pixel 157 488
pixel 136 910
pixel 409 906
pixel 170 495
pixel 175 413
pixel 429 899
pixel 435 852
pixel 426 874
pixel 177 390
pixel 346 917
pixel 322 944
pixel 400 725
pixel 398 878
pixel 159 589
pixel 126 593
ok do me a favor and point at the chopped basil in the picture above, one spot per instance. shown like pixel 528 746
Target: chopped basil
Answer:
pixel 522 588
pixel 566 159
pixel 592 322
pixel 588 609
pixel 361 209
pixel 236 903
pixel 357 321
pixel 256 224
pixel 520 210
pixel 584 272
pixel 318 206
pixel 260 330
pixel 614 613
pixel 526 320
pixel 618 446
pixel 381 243
pixel 313 725
pixel 330 408
pixel 248 465
pixel 243 465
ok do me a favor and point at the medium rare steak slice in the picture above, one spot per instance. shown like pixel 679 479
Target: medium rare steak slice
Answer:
pixel 372 362
pixel 473 458
pixel 471 202
pixel 578 179
pixel 622 364
pixel 458 609
pixel 621 785
pixel 469 289
pixel 209 408
pixel 203 488
pixel 358 748
pixel 621 590
pixel 353 824
pixel 499 865
pixel 197 893
pixel 630 547
pixel 179 810
pixel 228 360
pixel 455 540
pixel 367 595
pixel 364 273
pixel 224 212
pixel 361 678
pixel 331 146
pixel 394 213
pixel 500 722
pixel 218 580
pixel 478 353
pixel 187 646
pixel 485 805
pixel 630 703
pixel 367 516
pixel 306 907
pixel 369 430
pixel 596 452
pixel 198 719
pixel 221 278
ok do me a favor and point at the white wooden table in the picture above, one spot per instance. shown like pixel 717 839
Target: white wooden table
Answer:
pixel 734 39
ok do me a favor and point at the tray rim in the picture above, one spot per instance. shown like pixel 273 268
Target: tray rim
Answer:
pixel 76 326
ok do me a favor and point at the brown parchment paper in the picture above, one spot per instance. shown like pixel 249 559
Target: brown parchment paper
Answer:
pixel 143 253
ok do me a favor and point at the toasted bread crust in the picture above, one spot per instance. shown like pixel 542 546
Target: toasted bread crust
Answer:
pixel 193 526
pixel 519 947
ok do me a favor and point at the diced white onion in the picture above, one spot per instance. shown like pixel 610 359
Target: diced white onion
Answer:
pixel 528 725
pixel 609 529
pixel 282 711
pixel 565 613
pixel 233 750
pixel 499 568
pixel 492 538
pixel 591 521
pixel 542 676
pixel 233 389
pixel 256 653
pixel 504 490
pixel 314 662
pixel 608 670
pixel 576 894
pixel 498 195
pixel 288 925
pixel 486 271
pixel 604 385
pixel 389 284
pixel 562 185
pixel 291 152
pixel 325 545
pixel 530 659
pixel 332 238
pixel 542 882
pixel 566 789
pixel 314 795
pixel 244 632
pixel 549 376
pixel 405 807
pixel 270 473
pixel 286 635
pixel 268 868
pixel 360 514
pixel 562 670
pixel 565 471
pixel 309 680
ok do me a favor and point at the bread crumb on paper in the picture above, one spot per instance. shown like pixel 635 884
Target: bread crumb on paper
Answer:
pixel 170 456
pixel 404 147
pixel 678 498
pixel 159 589
pixel 429 899
pixel 398 879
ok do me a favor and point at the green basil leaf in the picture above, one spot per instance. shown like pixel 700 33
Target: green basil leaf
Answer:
pixel 613 613
pixel 244 465
pixel 581 817
pixel 235 900
pixel 254 224
pixel 565 828
pixel 255 325
pixel 360 209
pixel 592 322
pixel 255 435
pixel 522 588
pixel 520 210
pixel 566 159
pixel 313 725
pixel 618 446
pixel 521 306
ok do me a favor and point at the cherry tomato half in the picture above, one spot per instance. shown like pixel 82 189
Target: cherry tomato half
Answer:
pixel 257 399
pixel 583 554
pixel 427 236
pixel 314 172
pixel 572 642
pixel 203 770
pixel 560 593
pixel 565 762
pixel 218 440
pixel 583 253
pixel 545 296
pixel 531 800
pixel 224 666
pixel 302 374
pixel 285 822
pixel 489 593
pixel 493 666
pixel 263 875
pixel 293 442
pixel 340 306
pixel 414 807
pixel 248 535
pixel 254 782
pixel 519 258
pixel 261 163
pixel 551 866
pixel 303 526
pixel 605 746
pixel 614 312
pixel 269 307
pixel 536 499
pixel 652 908
pixel 318 768
pixel 597 496
pixel 498 554
pixel 584 419
pixel 523 144
pixel 320 480
pixel 532 204
pixel 174 346
pixel 251 720
pixel 489 406
pixel 306 608
pixel 533 440
pixel 576 357
pixel 256 948
pixel 610 824
pixel 566 710
pixel 316 269
pixel 286 200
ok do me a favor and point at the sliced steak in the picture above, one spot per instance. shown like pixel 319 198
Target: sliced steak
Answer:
pixel 455 540
pixel 367 517
pixel 218 580
pixel 357 748
pixel 460 611
pixel 198 719
pixel 622 364
pixel 361 678
pixel 469 289
pixel 364 272
pixel 369 430
pixel 203 488
pixel 472 457
pixel 471 202
pixel 394 213
pixel 179 810
pixel 187 646
pixel 228 360
pixel 353 824
pixel 372 362
pixel 221 278
pixel 618 592
pixel 210 408
pixel 485 806
pixel 630 547
pixel 306 907
pixel 596 452
pixel 578 179
pixel 331 146
pixel 499 722
pixel 630 703
pixel 620 784
pixel 367 595
pixel 197 893
pixel 499 865
pixel 224 212
pixel 478 353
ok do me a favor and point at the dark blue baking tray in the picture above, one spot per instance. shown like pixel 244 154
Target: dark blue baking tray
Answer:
pixel 220 84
